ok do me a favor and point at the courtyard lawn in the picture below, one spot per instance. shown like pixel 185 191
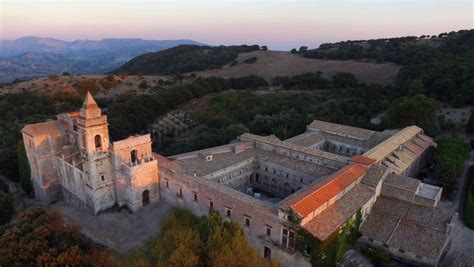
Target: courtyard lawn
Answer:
pixel 469 201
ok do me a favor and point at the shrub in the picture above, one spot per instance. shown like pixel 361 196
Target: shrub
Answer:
pixel 6 206
pixel 378 256
pixel 250 60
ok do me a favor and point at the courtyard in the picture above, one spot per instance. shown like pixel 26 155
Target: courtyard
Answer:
pixel 122 231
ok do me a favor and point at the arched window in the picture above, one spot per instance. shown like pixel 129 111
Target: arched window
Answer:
pixel 98 141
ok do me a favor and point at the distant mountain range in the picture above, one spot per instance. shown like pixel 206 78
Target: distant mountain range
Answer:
pixel 29 57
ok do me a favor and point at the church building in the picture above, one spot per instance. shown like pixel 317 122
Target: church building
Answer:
pixel 72 158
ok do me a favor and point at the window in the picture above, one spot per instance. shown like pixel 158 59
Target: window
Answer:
pixel 98 141
pixel 268 230
pixel 102 178
pixel 401 250
pixel 287 238
pixel 229 212
pixel 307 250
pixel 180 192
pixel 211 204
pixel 267 253
pixel 256 178
pixel 195 197
pixel 133 156
pixel 167 184
pixel 247 221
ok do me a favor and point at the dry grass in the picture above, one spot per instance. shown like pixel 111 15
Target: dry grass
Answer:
pixel 274 63
pixel 68 84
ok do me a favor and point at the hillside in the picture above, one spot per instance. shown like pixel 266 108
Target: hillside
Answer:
pixel 182 59
pixel 270 64
pixel 103 86
pixel 440 66
pixel 31 57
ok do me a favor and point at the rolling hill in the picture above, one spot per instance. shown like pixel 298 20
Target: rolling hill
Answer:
pixel 30 57
pixel 270 64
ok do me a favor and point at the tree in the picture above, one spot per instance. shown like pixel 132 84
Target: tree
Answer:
pixel 416 88
pixel 6 207
pixel 302 49
pixel 293 51
pixel 470 123
pixel 43 238
pixel 188 240
pixel 449 156
pixel 417 110
pixel 344 79
pixel 264 48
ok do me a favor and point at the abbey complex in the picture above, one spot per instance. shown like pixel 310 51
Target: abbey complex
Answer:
pixel 317 181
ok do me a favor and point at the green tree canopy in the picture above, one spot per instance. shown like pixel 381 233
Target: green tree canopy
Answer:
pixel 417 110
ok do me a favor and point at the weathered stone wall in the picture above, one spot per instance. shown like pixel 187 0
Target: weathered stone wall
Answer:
pixel 196 195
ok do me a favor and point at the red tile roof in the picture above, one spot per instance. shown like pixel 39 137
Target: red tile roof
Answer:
pixel 340 180
pixel 363 160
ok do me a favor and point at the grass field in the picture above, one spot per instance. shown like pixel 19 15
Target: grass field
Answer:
pixel 468 211
pixel 277 63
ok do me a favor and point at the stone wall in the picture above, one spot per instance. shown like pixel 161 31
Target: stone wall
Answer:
pixel 198 195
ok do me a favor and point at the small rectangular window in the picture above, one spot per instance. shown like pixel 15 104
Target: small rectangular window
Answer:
pixel 268 230
pixel 180 193
pixel 211 204
pixel 167 184
pixel 247 221
pixel 229 212
pixel 195 196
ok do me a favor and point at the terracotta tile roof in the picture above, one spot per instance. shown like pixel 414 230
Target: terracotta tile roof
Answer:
pixel 362 160
pixel 337 183
pixel 374 175
pixel 344 130
pixel 170 165
pixel 383 149
pixel 294 147
pixel 401 181
pixel 418 229
pixel 52 128
pixel 329 221
pixel 419 239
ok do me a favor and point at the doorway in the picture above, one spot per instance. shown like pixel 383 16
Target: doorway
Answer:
pixel 145 198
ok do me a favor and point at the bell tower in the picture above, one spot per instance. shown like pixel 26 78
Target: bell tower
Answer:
pixel 92 128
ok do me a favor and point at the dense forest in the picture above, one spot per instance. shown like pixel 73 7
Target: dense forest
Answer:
pixel 183 58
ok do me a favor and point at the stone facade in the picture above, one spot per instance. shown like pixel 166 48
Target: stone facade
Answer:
pixel 72 158
pixel 323 177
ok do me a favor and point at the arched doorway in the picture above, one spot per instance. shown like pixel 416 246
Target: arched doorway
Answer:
pixel 145 197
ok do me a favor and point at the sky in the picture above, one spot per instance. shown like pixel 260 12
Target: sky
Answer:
pixel 279 24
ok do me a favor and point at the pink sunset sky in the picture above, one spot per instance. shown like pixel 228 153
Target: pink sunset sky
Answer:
pixel 280 24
